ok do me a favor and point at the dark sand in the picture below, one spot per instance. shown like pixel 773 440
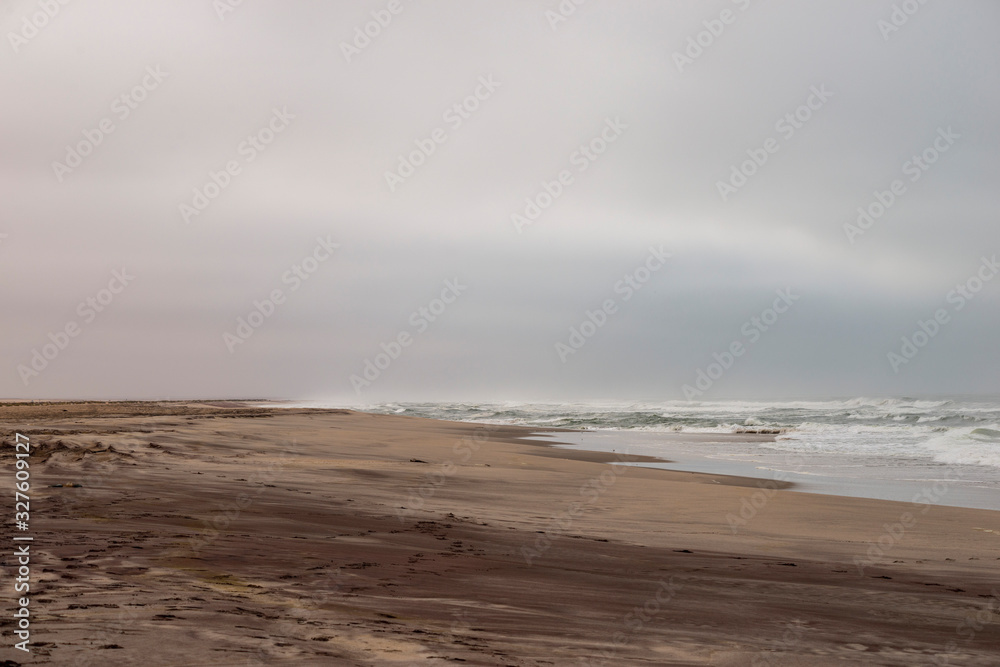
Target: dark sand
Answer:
pixel 204 536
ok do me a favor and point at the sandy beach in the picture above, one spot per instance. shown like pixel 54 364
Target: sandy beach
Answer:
pixel 232 534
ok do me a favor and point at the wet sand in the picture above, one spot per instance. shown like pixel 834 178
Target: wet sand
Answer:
pixel 227 534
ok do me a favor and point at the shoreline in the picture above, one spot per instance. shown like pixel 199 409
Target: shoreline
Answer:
pixel 243 535
pixel 572 451
pixel 745 473
pixel 960 492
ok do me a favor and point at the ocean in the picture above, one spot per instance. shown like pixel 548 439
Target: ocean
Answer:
pixel 888 448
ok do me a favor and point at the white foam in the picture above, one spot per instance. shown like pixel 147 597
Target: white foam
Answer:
pixel 967 446
pixel 868 431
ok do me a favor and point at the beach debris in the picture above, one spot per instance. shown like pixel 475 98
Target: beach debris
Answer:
pixel 417 461
pixel 67 485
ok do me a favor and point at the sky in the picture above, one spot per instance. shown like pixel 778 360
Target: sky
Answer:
pixel 521 200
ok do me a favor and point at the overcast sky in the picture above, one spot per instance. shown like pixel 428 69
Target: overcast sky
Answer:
pixel 119 117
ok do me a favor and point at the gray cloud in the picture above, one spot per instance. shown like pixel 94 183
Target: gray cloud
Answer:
pixel 657 183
